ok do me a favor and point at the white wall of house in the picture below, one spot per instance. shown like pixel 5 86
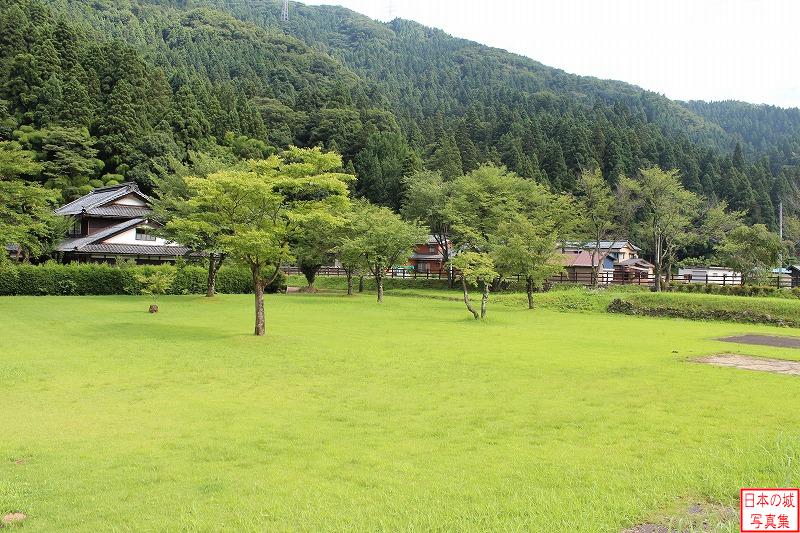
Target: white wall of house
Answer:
pixel 129 237
pixel 717 275
pixel 130 199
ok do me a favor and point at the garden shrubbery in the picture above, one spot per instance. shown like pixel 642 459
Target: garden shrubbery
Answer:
pixel 769 311
pixel 103 279
pixel 736 290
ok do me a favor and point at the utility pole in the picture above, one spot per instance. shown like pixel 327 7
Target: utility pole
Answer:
pixel 285 12
pixel 780 219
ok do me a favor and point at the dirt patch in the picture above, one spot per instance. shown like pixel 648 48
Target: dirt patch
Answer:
pixel 704 516
pixel 746 362
pixel 19 461
pixel 765 340
pixel 647 528
pixel 12 518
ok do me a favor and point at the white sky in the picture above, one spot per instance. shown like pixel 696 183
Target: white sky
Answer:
pixel 686 49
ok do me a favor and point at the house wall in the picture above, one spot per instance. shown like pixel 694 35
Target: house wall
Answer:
pixel 129 237
pixel 93 225
pixel 130 199
pixel 715 275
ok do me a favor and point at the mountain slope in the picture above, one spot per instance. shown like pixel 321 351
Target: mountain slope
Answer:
pixel 234 81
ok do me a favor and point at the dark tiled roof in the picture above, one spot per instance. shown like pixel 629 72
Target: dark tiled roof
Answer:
pixel 119 211
pixel 133 249
pixel 427 257
pixel 636 262
pixel 74 244
pixel 99 197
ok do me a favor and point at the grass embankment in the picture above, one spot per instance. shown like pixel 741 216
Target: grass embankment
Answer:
pixel 351 415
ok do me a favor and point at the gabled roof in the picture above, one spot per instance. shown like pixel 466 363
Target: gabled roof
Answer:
pixel 100 197
pixel 604 245
pixel 77 243
pixel 641 263
pixel 584 258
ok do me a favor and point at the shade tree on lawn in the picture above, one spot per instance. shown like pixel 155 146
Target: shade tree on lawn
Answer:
pixel 198 228
pixel 383 237
pixel 269 206
pixel 475 269
pixel 666 214
pixel 527 248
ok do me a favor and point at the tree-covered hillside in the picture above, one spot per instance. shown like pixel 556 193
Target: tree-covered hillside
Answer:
pixel 104 90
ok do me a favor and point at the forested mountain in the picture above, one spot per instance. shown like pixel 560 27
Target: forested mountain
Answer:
pixel 105 90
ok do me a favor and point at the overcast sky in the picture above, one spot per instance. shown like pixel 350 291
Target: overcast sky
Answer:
pixel 686 49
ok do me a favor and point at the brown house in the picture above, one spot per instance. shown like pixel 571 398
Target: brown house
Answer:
pixel 113 223
pixel 428 257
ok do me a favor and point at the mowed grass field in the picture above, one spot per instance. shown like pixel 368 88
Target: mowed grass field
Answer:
pixel 355 416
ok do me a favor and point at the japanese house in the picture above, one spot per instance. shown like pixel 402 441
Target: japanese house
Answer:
pixel 112 223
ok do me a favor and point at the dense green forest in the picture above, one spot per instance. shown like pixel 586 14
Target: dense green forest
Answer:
pixel 99 91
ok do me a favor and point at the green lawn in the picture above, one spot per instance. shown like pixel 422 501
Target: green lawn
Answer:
pixel 350 415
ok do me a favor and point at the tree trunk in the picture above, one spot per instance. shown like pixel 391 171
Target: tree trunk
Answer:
pixel 658 265
pixel 213 268
pixel 466 300
pixel 258 289
pixel 529 289
pixel 379 284
pixel 349 283
pixel 484 299
pixel 361 284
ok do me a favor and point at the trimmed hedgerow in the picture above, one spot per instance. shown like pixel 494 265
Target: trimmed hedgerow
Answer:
pixel 736 290
pixel 769 311
pixel 102 279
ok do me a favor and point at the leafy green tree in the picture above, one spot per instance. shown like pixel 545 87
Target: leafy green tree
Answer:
pixel 427 201
pixel 527 248
pixel 475 269
pixel 27 220
pixel 751 250
pixel 267 206
pixel 384 238
pixel 597 207
pixel 16 162
pixel 155 283
pixel 666 213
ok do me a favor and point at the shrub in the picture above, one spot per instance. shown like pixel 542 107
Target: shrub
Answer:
pixel 705 307
pixel 736 290
pixel 103 279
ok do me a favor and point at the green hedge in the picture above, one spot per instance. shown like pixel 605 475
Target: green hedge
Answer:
pixel 101 279
pixel 769 311
pixel 736 290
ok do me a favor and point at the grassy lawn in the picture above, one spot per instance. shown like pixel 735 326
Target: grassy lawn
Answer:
pixel 350 415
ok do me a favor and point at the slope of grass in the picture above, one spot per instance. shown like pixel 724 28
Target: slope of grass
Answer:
pixel 351 415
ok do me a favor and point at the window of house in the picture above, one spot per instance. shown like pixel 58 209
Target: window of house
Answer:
pixel 431 249
pixel 76 230
pixel 143 234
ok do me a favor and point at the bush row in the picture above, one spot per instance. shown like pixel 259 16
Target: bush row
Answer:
pixel 102 279
pixel 706 311
pixel 736 290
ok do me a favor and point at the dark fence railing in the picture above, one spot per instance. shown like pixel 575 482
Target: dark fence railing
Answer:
pixel 586 278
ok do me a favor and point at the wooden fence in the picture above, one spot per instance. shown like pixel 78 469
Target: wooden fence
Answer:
pixel 580 278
